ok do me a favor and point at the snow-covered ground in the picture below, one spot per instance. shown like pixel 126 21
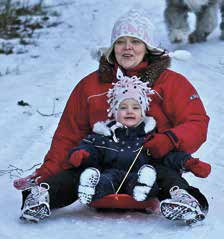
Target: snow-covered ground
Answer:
pixel 45 76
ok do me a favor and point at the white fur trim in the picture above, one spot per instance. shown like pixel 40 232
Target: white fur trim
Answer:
pixel 150 124
pixel 101 127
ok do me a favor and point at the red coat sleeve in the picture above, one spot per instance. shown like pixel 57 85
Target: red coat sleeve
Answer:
pixel 184 109
pixel 72 127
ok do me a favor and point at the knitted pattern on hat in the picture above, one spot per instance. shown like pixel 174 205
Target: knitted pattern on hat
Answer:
pixel 135 24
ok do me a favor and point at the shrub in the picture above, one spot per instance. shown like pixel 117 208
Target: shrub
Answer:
pixel 19 19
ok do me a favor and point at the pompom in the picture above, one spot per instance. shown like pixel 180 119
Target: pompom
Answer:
pixel 182 55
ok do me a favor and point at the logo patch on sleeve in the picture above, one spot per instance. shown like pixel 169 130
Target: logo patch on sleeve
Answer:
pixel 194 96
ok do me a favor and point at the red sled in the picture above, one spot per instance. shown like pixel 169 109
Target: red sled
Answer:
pixel 125 201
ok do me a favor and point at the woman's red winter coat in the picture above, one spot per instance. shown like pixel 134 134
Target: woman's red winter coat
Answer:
pixel 175 105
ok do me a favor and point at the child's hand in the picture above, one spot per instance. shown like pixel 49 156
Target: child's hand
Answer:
pixel 77 157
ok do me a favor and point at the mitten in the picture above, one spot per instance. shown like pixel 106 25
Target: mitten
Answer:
pixel 23 183
pixel 197 167
pixel 158 145
pixel 77 157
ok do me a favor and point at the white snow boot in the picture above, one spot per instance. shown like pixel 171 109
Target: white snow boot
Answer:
pixel 36 205
pixel 181 206
pixel 146 179
pixel 88 182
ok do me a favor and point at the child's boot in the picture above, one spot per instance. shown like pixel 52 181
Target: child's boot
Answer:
pixel 88 182
pixel 146 179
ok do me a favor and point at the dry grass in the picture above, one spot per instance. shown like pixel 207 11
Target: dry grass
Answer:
pixel 19 19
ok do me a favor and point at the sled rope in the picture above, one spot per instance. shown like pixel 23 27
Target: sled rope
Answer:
pixel 129 170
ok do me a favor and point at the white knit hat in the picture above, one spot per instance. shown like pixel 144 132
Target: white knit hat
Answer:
pixel 128 88
pixel 134 24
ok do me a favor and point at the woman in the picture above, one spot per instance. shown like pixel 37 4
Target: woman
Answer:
pixel 176 106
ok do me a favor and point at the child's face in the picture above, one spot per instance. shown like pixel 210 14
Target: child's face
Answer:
pixel 129 112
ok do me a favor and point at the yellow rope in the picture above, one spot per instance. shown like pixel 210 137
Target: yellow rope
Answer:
pixel 129 170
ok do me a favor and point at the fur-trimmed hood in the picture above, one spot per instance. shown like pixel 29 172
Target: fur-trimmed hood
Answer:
pixel 150 73
pixel 111 145
pixel 107 128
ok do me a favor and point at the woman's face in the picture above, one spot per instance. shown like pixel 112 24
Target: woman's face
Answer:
pixel 129 51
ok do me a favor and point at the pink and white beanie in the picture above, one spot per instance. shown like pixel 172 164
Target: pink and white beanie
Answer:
pixel 128 88
pixel 134 24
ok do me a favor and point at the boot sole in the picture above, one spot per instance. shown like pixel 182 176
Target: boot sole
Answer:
pixel 173 211
pixel 34 215
pixel 87 185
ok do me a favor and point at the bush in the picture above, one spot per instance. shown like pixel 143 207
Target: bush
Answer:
pixel 19 19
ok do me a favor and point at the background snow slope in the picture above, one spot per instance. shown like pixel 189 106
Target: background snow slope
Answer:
pixel 45 76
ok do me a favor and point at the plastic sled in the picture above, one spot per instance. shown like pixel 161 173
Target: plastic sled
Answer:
pixel 125 201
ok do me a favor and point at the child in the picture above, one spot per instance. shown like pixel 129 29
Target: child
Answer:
pixel 109 152
pixel 114 144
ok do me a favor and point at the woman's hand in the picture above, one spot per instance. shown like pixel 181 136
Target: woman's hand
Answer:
pixel 158 145
pixel 197 167
pixel 77 157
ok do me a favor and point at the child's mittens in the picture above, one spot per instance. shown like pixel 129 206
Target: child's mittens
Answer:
pixel 77 157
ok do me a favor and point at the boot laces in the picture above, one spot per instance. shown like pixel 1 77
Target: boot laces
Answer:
pixel 37 191
pixel 182 196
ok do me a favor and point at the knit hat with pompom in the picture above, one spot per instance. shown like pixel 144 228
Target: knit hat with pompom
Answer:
pixel 136 24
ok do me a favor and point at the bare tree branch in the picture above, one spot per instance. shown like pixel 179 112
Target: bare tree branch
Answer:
pixel 53 110
pixel 15 172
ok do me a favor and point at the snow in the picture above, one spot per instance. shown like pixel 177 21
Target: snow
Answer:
pixel 45 76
